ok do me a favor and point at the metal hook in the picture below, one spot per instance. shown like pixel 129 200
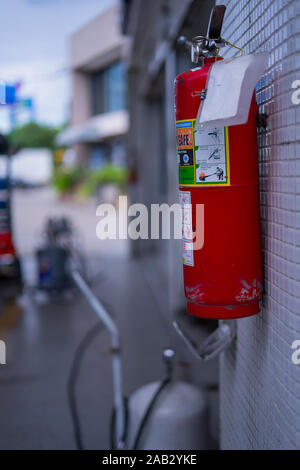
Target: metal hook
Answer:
pixel 214 344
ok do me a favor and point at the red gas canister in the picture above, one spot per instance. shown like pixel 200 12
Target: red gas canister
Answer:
pixel 218 168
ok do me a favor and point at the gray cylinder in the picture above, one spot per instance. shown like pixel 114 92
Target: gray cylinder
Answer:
pixel 177 421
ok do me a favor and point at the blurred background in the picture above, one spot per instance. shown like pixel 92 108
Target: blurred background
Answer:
pixel 70 75
pixel 89 116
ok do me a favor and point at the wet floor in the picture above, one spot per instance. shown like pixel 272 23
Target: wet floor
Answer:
pixel 40 348
pixel 42 336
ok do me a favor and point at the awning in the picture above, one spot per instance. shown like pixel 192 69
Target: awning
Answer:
pixel 96 129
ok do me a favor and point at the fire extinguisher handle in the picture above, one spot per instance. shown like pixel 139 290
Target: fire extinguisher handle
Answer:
pixel 219 340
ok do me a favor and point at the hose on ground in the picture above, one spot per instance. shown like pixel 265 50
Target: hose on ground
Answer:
pixel 72 381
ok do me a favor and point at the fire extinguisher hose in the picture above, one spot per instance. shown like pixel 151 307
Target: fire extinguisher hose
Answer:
pixel 73 378
pixel 149 410
pixel 168 357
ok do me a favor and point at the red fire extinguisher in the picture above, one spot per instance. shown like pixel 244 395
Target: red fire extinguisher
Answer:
pixel 218 169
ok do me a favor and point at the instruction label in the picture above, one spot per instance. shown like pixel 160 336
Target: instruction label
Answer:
pixel 203 155
pixel 185 149
pixel 187 228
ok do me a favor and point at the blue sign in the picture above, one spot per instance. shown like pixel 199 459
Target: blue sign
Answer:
pixel 10 94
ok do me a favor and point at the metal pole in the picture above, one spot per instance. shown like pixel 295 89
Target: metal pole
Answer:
pixel 111 326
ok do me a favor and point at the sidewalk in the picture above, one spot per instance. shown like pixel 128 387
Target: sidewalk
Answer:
pixel 40 348
pixel 42 340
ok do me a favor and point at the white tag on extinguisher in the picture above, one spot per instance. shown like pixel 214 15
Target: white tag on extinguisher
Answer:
pixel 187 228
pixel 229 90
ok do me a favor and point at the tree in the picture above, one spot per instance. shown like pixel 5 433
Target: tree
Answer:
pixel 33 135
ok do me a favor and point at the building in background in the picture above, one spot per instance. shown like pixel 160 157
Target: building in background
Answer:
pixel 99 120
pixel 259 383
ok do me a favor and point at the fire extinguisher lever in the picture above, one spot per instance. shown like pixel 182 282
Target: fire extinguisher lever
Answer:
pixel 216 22
pixel 219 340
pixel 209 45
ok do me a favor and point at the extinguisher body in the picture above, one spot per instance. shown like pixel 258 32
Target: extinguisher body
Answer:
pixel 218 171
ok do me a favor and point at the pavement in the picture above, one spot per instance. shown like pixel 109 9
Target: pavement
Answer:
pixel 42 336
pixel 40 348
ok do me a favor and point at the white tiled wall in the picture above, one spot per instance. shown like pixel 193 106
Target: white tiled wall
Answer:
pixel 260 386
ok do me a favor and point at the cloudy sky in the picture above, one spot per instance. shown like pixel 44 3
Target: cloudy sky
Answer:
pixel 34 49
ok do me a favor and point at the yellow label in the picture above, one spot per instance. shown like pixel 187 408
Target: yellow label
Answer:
pixel 203 155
